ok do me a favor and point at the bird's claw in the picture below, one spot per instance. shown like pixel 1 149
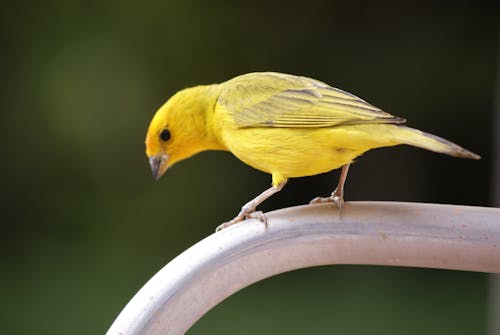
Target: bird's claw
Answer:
pixel 242 216
pixel 337 200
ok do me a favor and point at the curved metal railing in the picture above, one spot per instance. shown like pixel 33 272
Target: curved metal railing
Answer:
pixel 379 233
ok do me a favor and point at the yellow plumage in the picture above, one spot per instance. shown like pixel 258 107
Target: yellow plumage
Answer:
pixel 285 125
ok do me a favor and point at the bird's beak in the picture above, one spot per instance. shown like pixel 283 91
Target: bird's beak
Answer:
pixel 158 165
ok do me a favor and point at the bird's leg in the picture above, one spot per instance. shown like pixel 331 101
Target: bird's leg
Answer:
pixel 337 196
pixel 248 210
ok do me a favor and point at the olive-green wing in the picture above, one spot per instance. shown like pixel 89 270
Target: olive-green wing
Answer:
pixel 270 99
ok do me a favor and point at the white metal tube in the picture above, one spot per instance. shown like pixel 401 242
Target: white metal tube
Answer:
pixel 381 233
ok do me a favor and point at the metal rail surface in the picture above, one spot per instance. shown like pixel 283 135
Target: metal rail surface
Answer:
pixel 378 233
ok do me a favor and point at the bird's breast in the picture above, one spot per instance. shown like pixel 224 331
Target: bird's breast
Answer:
pixel 291 152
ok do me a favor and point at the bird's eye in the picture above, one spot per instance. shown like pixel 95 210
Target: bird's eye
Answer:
pixel 165 135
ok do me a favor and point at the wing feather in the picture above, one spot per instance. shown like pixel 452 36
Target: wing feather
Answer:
pixel 270 99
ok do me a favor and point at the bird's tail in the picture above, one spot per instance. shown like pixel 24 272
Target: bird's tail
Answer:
pixel 417 138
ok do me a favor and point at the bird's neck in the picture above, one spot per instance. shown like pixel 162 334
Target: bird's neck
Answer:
pixel 200 112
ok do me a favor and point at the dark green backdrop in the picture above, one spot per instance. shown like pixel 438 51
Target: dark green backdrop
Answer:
pixel 84 225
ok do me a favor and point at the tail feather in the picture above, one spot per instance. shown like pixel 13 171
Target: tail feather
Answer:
pixel 431 142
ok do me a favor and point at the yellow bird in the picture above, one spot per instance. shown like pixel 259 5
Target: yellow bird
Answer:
pixel 288 126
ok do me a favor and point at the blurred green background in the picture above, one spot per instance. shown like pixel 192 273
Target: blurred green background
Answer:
pixel 84 225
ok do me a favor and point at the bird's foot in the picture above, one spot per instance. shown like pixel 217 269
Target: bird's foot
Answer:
pixel 242 216
pixel 336 199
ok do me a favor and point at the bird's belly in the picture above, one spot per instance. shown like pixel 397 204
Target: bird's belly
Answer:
pixel 291 152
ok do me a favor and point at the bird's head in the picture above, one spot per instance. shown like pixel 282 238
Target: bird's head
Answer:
pixel 178 130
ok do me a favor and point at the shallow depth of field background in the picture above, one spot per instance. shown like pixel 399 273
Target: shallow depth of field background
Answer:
pixel 84 225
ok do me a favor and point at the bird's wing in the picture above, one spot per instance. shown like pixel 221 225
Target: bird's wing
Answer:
pixel 278 100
